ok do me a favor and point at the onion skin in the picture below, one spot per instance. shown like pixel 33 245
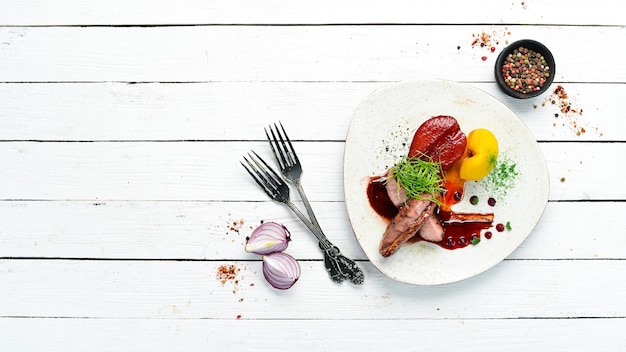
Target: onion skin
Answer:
pixel 267 238
pixel 281 270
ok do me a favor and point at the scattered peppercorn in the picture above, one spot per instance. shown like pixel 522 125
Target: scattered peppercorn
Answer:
pixel 568 111
pixel 227 273
pixel 525 70
pixel 483 39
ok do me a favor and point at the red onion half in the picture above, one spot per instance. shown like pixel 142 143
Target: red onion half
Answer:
pixel 267 238
pixel 281 270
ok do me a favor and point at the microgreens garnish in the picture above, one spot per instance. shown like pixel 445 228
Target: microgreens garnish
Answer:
pixel 420 177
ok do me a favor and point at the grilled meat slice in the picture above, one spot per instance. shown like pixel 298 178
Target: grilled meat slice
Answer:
pixel 396 193
pixel 405 225
pixel 432 230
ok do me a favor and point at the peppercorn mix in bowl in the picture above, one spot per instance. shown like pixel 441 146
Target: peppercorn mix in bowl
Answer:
pixel 525 69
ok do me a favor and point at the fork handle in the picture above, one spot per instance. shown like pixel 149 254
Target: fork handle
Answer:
pixel 314 228
pixel 307 205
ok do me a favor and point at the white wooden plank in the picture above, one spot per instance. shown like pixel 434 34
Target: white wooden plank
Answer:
pixel 159 230
pixel 290 53
pixel 212 171
pixel 213 231
pixel 240 110
pixel 46 12
pixel 191 290
pixel 573 231
pixel 121 335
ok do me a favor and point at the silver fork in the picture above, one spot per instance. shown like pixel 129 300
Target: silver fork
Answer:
pixel 338 266
pixel 289 164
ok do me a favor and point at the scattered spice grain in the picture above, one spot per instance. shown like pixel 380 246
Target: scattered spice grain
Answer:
pixel 483 39
pixel 488 40
pixel 227 273
pixel 568 111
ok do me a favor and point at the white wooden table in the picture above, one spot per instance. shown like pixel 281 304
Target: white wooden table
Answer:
pixel 122 124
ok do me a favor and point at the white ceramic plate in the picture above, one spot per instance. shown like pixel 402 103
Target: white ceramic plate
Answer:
pixel 380 133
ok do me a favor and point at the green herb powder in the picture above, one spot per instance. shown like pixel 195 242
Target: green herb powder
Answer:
pixel 502 178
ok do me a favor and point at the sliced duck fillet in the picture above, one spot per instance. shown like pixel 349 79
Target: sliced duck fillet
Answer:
pixel 405 225
pixel 432 230
pixel 396 193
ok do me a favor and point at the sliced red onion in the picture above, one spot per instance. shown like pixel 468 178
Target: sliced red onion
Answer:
pixel 281 270
pixel 267 238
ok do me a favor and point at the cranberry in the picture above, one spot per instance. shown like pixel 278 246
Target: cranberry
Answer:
pixel 500 227
pixel 462 241
pixel 450 241
pixel 488 235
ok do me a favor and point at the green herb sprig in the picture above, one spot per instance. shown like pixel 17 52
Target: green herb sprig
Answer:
pixel 421 177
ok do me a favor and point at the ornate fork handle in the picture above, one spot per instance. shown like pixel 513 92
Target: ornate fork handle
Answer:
pixel 341 268
pixel 338 266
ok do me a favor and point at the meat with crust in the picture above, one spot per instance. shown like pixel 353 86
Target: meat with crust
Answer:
pixel 405 225
pixel 469 217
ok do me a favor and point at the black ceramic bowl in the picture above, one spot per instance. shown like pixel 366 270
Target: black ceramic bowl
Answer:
pixel 530 45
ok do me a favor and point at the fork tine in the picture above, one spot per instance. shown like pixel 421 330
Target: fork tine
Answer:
pixel 268 182
pixel 275 179
pixel 285 152
pixel 257 177
pixel 278 153
pixel 291 151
